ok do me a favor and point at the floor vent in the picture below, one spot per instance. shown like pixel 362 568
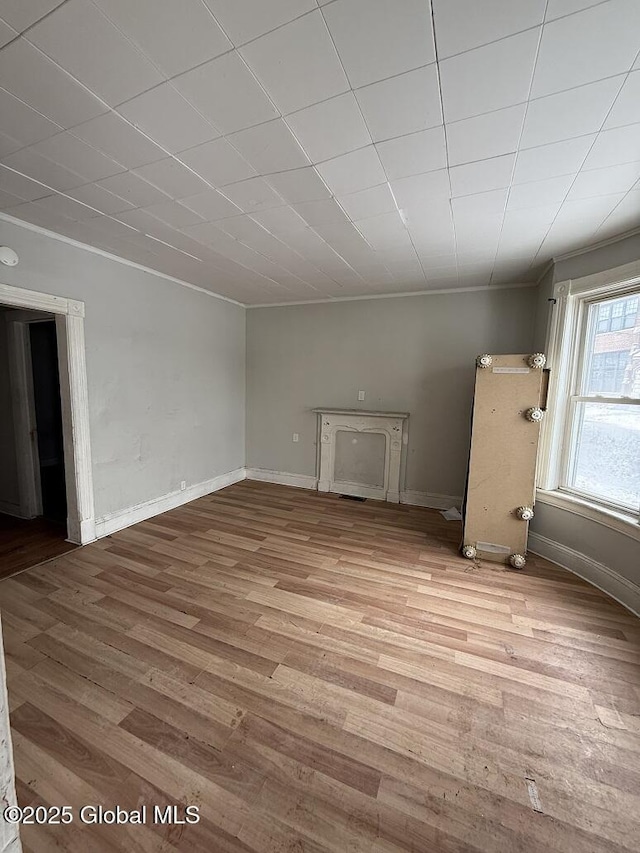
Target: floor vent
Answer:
pixel 352 498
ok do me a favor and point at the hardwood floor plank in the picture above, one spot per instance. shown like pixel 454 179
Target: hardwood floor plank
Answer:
pixel 323 676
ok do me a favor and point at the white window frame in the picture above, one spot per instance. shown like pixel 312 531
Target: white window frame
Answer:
pixel 569 303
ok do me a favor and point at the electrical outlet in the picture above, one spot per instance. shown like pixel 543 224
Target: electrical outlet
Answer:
pixel 183 485
pixel 360 396
pixel 296 437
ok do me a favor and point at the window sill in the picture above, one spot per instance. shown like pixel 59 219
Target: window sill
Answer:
pixel 619 521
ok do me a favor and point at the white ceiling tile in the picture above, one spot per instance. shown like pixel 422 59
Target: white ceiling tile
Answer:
pixel 281 221
pixel 549 161
pixel 489 135
pixel 540 192
pixel 8 200
pixel 324 212
pixel 421 190
pixel 226 93
pixel 607 34
pixel 299 185
pixel 619 145
pixel 560 8
pixel 113 135
pixel 485 175
pixel 7 33
pixel 252 18
pixel 464 24
pixel 590 210
pixel 479 204
pixel 61 204
pixel 21 186
pixel 8 145
pixel 99 198
pixel 269 147
pixel 21 15
pixel 35 166
pixel 370 202
pixel 253 194
pixel 611 179
pixel 475 82
pixel 354 171
pixel 297 64
pixel 330 128
pixel 531 218
pixel 211 205
pixel 218 162
pixel 172 177
pixel 424 151
pixel 77 156
pixel 80 39
pixel 568 114
pixel 377 39
pixel 174 214
pixel 24 124
pixel 626 110
pixel 403 104
pixel 164 115
pixel 175 36
pixel 384 231
pixel 30 76
pixel 133 189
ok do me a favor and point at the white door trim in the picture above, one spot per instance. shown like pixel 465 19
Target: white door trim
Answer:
pixel 69 316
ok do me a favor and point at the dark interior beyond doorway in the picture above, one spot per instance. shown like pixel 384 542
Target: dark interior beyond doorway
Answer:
pixel 48 410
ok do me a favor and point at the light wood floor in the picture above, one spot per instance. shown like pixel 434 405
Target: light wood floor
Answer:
pixel 25 543
pixel 321 675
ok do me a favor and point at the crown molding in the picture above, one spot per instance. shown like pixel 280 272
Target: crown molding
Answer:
pixel 591 247
pixel 441 292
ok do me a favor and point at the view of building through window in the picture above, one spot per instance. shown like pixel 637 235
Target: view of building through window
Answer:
pixel 605 458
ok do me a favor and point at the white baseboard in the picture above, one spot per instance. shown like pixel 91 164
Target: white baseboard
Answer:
pixel 623 590
pixel 430 500
pixel 115 521
pixel 300 481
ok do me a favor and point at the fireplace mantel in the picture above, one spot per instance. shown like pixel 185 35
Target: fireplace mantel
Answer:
pixel 390 425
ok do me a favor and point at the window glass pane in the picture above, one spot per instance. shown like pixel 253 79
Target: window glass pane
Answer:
pixel 606 452
pixel 612 349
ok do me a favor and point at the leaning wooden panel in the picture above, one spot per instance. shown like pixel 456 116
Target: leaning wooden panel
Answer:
pixel 502 463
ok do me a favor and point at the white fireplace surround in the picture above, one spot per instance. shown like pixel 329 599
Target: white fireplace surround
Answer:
pixel 391 425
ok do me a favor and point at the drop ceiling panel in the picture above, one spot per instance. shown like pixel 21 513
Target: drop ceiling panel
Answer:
pixel 352 172
pixel 226 93
pixel 403 104
pixel 475 82
pixel 175 36
pixel 299 150
pixel 549 161
pixel 82 41
pixel 297 64
pixel 164 115
pixel 330 128
pixel 607 34
pixel 269 147
pixel 32 77
pixel 246 21
pixel 113 135
pixel 464 24
pixel 377 39
pixel 218 162
pixel 413 154
pixel 485 136
pixel 568 114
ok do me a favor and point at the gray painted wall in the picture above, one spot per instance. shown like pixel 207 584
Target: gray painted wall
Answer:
pixel 614 550
pixel 414 354
pixel 9 497
pixel 165 364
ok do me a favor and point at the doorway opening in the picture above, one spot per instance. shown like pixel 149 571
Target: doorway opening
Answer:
pixel 33 499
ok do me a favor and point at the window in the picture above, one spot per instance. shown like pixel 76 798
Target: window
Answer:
pixel 601 457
